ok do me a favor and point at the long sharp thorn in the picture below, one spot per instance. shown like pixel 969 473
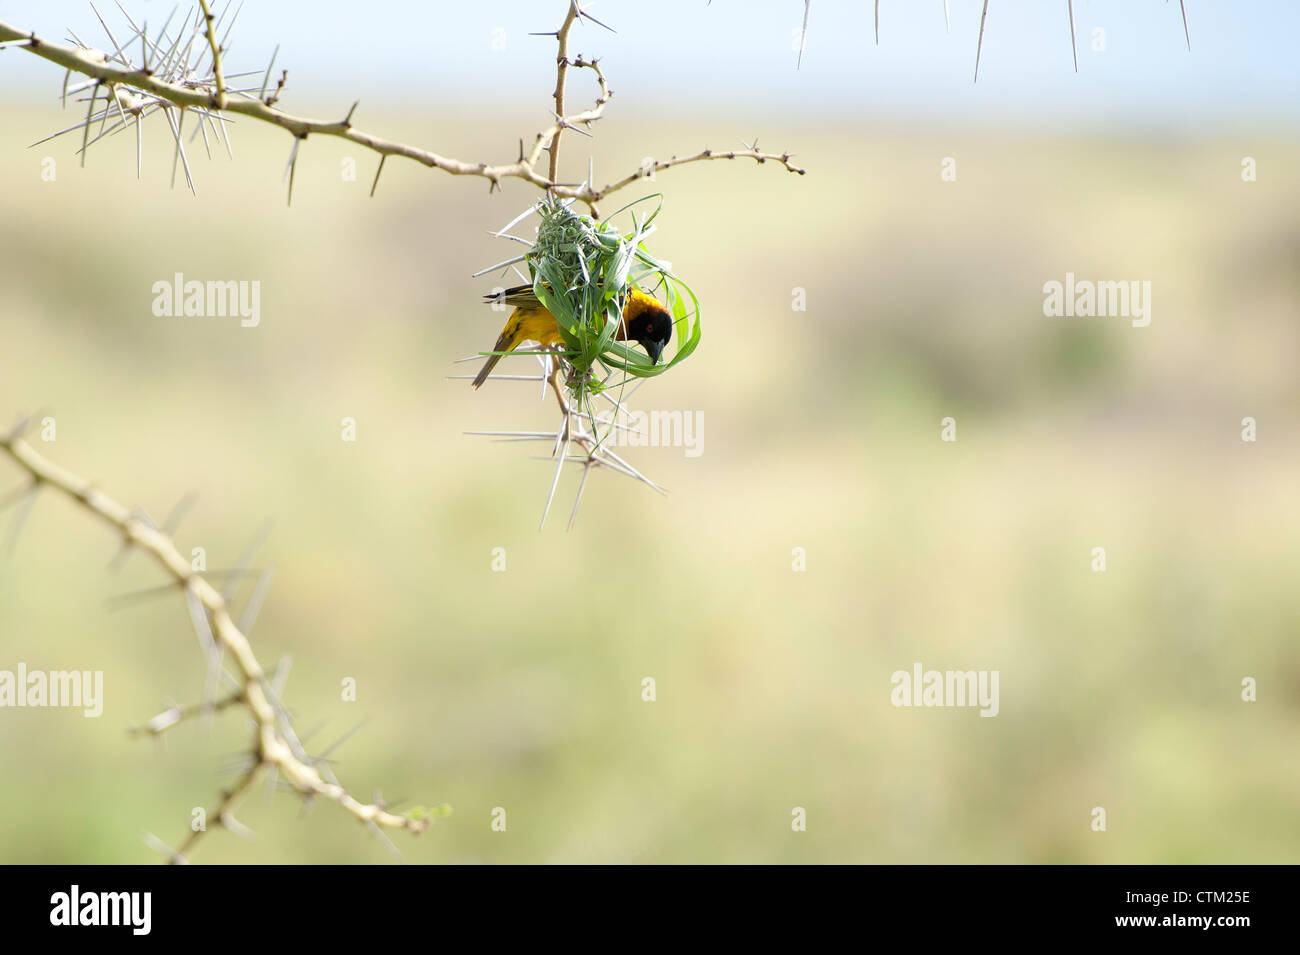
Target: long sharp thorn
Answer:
pixel 15 495
pixel 118 103
pixel 1074 48
pixel 246 562
pixel 204 130
pixel 178 513
pixel 165 64
pixel 514 222
pixel 117 48
pixel 85 137
pixel 226 36
pixel 156 45
pixel 341 740
pixel 555 481
pixel 293 166
pixel 176 125
pixel 20 516
pixel 219 131
pixel 254 605
pixel 803 33
pixel 577 498
pixel 56 135
pixel 129 19
pixel 267 78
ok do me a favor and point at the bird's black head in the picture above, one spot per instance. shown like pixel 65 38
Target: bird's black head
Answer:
pixel 651 327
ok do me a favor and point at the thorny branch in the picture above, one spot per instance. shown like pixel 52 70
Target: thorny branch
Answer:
pixel 276 748
pixel 595 444
pixel 561 74
pixel 218 77
pixel 125 81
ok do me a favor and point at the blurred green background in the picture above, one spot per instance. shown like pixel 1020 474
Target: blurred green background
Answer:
pixel 522 689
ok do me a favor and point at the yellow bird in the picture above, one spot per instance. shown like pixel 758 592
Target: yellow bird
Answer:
pixel 645 321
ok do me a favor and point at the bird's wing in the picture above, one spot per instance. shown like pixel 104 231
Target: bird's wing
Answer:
pixel 523 296
pixel 520 296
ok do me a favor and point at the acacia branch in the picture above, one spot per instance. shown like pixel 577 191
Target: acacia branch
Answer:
pixel 210 96
pixel 704 155
pixel 275 747
pixel 173 715
pixel 561 72
pixel 219 79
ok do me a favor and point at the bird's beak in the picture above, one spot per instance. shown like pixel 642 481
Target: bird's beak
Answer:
pixel 654 350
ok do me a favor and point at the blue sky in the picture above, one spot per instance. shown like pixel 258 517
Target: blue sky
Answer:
pixel 1243 62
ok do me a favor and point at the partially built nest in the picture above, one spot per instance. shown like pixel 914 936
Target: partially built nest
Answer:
pixel 582 271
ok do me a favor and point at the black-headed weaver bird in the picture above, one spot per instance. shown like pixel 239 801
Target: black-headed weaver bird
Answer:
pixel 645 321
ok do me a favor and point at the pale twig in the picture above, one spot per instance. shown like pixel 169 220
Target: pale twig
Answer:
pixel 760 157
pixel 275 746
pixel 171 83
pixel 218 78
pixel 561 73
pixel 173 715
pixel 224 811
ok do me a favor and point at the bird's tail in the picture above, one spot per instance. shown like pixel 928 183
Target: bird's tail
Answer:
pixel 502 345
